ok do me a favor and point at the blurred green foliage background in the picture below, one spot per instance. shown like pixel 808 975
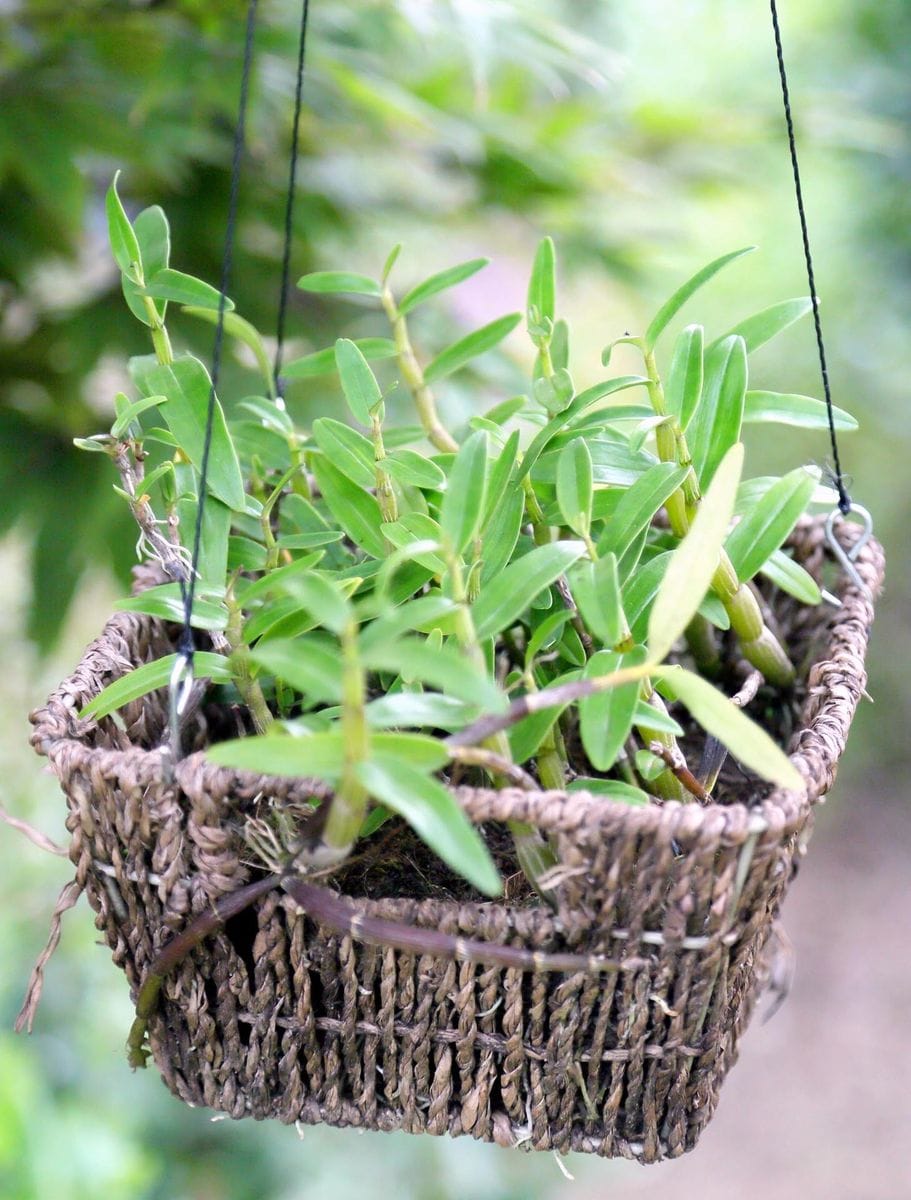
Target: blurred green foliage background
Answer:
pixel 646 137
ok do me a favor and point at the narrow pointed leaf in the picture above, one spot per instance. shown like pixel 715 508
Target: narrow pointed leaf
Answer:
pixel 463 500
pixel 574 486
pixel 168 284
pixel 791 577
pixel 166 602
pixel 614 789
pixel 187 385
pixel 766 526
pixel 322 362
pixel 743 737
pixel 151 676
pixel 128 414
pixel 154 238
pixel 715 426
pixel 323 597
pixel 606 718
pixel 356 511
pixel 669 310
pixel 411 469
pixel 358 381
pixel 596 591
pixel 312 755
pixel 764 325
pixel 802 412
pixel 334 282
pixel 439 283
pixel 501 533
pixel 684 381
pixel 695 560
pixel 463 351
pixel 638 505
pixel 442 667
pixel 310 665
pixel 423 710
pixel 542 285
pixel 509 594
pixel 349 451
pixel 124 243
pixel 434 814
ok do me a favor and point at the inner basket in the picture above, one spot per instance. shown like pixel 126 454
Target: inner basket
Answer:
pixel 279 1017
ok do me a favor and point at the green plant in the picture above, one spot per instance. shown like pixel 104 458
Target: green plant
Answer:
pixel 389 618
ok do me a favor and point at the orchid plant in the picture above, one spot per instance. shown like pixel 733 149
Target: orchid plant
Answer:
pixel 541 599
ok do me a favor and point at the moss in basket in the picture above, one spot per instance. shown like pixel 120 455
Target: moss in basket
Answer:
pixel 499 608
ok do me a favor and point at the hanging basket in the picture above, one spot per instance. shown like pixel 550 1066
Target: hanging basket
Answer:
pixel 278 1017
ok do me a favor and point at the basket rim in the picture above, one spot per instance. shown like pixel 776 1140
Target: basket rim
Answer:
pixel 836 683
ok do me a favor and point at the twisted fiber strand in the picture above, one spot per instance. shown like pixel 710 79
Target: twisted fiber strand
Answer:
pixel 328 1030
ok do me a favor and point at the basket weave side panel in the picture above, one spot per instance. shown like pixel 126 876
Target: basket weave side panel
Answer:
pixel 279 1017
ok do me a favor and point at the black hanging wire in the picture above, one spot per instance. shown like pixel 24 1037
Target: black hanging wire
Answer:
pixel 289 205
pixel 182 675
pixel 844 500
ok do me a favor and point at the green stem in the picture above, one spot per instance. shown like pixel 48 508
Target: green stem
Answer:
pixel 247 685
pixel 385 494
pixel 414 377
pixel 758 644
pixel 349 804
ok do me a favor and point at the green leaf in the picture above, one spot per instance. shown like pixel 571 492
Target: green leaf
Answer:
pixel 684 381
pixel 419 750
pixel 638 505
pixel 311 755
pixel 128 413
pixel 791 577
pixel 151 676
pixel 763 326
pixel 614 462
pixel 443 667
pixel 349 451
pixel 463 500
pixel 509 594
pixel 654 719
pixel 322 597
pixel 763 529
pixel 545 634
pixel 614 789
pixel 267 413
pixel 669 310
pixel 526 736
pixel 154 238
pixel 358 381
pixel 606 718
pixel 168 284
pixel 463 351
pixel 275 580
pixel 322 362
pixel 695 560
pixel 802 412
pixel 423 613
pixel 744 738
pixel 501 533
pixel 428 710
pixel 124 243
pixel 581 404
pixel 542 286
pixel 416 536
pixel 355 510
pixel 391 260
pixel 439 283
pixel 559 345
pixel 434 814
pixel 242 331
pixel 574 486
pixel 411 469
pixel 596 590
pixel 715 426
pixel 308 664
pixel 333 282
pixel 166 603
pixel 499 477
pixel 187 385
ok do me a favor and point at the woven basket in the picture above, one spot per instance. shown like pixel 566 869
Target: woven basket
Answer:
pixel 279 1017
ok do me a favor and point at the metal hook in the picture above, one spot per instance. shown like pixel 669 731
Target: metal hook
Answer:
pixel 180 687
pixel 847 558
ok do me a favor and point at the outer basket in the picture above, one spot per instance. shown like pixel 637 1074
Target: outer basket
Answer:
pixel 279 1017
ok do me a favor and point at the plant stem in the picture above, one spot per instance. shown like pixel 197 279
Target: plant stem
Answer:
pixel 414 378
pixel 348 806
pixel 247 685
pixel 759 645
pixel 385 494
